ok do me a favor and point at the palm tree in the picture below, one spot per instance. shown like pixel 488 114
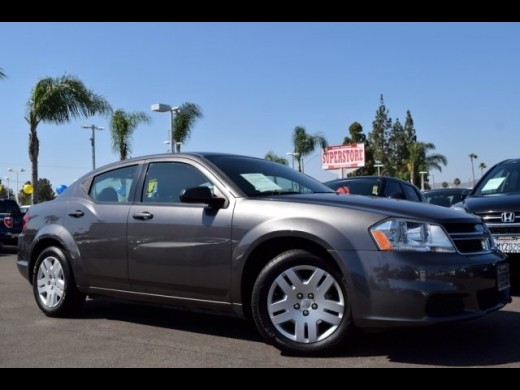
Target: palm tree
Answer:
pixel 420 160
pixel 187 115
pixel 482 167
pixel 271 156
pixel 2 74
pixel 445 184
pixel 122 127
pixel 305 144
pixel 456 182
pixel 472 157
pixel 58 100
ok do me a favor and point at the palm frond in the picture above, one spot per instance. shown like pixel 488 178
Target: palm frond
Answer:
pixel 60 100
pixel 185 119
pixel 122 127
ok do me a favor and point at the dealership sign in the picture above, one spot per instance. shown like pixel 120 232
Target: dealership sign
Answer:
pixel 346 156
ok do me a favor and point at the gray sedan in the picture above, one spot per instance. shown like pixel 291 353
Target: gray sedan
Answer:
pixel 255 239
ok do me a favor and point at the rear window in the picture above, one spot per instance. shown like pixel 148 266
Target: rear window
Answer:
pixel 9 207
pixel 113 186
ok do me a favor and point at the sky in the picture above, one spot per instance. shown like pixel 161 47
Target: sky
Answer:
pixel 255 82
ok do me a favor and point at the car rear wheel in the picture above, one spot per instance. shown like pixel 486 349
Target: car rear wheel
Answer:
pixel 54 286
pixel 301 304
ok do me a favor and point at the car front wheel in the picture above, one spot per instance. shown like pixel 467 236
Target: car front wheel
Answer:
pixel 54 286
pixel 301 305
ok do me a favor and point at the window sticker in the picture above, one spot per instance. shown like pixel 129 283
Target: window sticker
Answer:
pixel 261 182
pixel 375 190
pixel 493 184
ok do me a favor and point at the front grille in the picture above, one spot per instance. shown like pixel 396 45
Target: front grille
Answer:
pixel 469 238
pixel 505 230
pixel 497 226
pixel 495 217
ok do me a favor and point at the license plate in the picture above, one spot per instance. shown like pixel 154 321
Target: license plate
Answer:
pixel 503 278
pixel 508 244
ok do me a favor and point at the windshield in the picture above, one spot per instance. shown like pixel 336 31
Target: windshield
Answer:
pixel 257 177
pixel 503 179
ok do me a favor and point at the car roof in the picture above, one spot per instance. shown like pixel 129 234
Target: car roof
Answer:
pixel 196 155
pixel 366 178
pixel 511 160
pixel 440 190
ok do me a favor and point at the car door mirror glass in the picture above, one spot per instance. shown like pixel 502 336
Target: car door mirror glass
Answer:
pixel 201 195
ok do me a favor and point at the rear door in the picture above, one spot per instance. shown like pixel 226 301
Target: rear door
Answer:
pixel 177 249
pixel 97 223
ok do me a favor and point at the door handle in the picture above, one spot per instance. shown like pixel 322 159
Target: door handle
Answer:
pixel 143 216
pixel 77 214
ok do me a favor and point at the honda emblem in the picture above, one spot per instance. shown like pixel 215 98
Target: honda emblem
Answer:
pixel 508 217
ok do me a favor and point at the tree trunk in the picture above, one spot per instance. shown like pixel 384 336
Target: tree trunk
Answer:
pixel 34 151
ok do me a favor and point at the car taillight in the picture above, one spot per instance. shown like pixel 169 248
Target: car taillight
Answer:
pixel 26 219
pixel 8 222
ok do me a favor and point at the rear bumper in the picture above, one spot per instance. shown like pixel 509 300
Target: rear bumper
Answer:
pixel 23 268
pixel 394 289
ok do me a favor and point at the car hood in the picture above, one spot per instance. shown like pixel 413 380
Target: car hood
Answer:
pixel 501 203
pixel 385 207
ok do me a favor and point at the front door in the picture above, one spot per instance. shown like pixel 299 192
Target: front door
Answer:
pixel 177 249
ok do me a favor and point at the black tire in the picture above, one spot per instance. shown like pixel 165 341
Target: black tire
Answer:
pixel 70 299
pixel 305 312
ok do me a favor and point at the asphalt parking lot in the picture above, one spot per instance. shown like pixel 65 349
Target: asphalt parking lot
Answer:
pixel 113 334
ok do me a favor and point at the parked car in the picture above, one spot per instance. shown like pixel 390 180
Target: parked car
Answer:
pixel 11 222
pixel 252 238
pixel 445 197
pixel 386 187
pixel 496 198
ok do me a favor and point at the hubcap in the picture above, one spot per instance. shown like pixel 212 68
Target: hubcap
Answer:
pixel 50 282
pixel 306 304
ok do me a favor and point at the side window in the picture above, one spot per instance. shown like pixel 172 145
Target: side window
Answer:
pixel 165 182
pixel 411 193
pixel 113 186
pixel 392 188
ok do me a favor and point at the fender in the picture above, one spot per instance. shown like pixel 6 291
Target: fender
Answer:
pixel 64 238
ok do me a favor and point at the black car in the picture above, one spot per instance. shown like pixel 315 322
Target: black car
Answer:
pixel 496 198
pixel 11 222
pixel 383 186
pixel 445 197
pixel 252 238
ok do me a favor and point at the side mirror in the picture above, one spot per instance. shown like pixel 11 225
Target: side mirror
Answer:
pixel 201 195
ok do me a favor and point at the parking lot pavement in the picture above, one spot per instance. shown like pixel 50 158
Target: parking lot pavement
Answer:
pixel 112 334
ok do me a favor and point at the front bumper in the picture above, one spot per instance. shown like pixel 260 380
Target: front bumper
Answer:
pixel 413 289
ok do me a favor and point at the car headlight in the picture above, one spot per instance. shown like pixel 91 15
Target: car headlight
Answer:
pixel 411 236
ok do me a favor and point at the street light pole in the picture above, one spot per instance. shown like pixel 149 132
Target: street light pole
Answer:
pixel 422 179
pixel 93 142
pixel 294 155
pixel 159 107
pixel 378 165
pixel 17 186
